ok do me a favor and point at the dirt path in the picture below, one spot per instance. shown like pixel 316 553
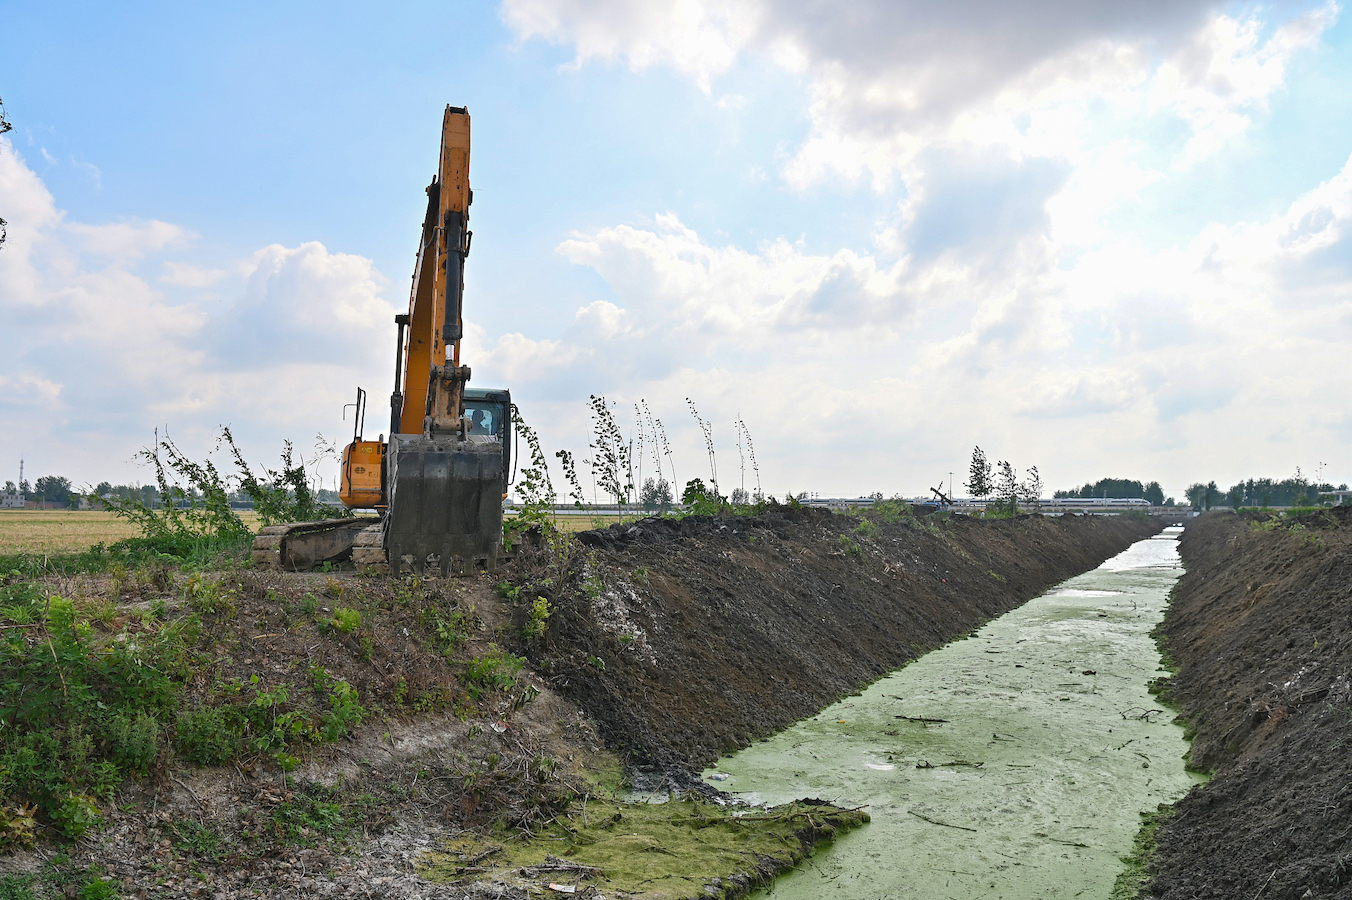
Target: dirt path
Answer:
pixel 1261 629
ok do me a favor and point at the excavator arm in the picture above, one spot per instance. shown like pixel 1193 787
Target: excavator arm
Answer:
pixel 434 379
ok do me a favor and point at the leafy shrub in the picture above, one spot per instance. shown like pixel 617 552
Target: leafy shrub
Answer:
pixel 75 814
pixel 18 825
pixel 133 741
pixel 209 737
pixel 537 620
pixel 208 597
pixel 77 717
pixel 495 670
pixel 448 629
pixel 346 620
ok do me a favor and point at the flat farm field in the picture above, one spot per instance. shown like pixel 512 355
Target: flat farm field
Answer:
pixel 57 531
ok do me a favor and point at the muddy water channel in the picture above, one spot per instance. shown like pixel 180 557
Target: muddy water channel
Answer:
pixel 1011 764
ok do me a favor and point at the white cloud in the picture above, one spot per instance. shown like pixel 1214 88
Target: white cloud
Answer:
pixel 700 40
pixel 181 274
pixel 675 283
pixel 126 241
pixel 97 355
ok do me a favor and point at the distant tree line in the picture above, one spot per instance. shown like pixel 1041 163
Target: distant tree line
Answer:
pixel 1293 491
pixel 58 489
pixel 1119 489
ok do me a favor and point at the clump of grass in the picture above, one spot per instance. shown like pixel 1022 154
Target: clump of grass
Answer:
pixel 495 670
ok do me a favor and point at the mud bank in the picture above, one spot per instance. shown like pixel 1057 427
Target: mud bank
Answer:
pixel 686 640
pixel 1261 630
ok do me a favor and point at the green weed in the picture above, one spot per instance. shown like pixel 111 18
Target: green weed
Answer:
pixel 346 620
pixel 495 670
pixel 537 620
pixel 197 840
pixel 851 548
pixel 17 887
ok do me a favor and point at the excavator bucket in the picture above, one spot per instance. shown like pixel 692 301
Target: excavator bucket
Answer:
pixel 445 513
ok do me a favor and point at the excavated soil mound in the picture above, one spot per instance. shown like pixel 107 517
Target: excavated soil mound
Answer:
pixel 688 639
pixel 1261 630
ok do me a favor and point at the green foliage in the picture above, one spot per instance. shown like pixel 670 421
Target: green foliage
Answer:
pixel 98 889
pixel 892 511
pixel 537 620
pixel 979 482
pixel 706 429
pixel 570 472
pixel 283 496
pixel 77 717
pixel 209 737
pixel 208 596
pixel 611 453
pixel 700 500
pixel 449 629
pixel 850 548
pixel 17 887
pixel 866 529
pixel 186 516
pixel 195 839
pixel 346 620
pixel 534 486
pixel 1117 489
pixel 495 670
pixel 74 815
pixel 1007 488
pixel 655 495
pixel 344 711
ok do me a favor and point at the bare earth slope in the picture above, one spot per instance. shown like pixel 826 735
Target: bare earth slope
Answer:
pixel 688 639
pixel 1261 630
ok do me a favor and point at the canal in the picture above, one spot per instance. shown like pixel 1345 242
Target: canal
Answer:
pixel 1014 763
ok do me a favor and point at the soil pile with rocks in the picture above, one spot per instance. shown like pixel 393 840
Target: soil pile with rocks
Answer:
pixel 687 639
pixel 1261 631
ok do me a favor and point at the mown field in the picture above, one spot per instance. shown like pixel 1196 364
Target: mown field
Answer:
pixel 58 531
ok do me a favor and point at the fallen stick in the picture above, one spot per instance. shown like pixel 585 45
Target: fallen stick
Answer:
pixel 920 719
pixel 937 822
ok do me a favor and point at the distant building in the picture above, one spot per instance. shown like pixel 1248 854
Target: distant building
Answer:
pixel 11 501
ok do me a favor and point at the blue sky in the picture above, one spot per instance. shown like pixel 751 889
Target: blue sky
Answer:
pixel 1102 239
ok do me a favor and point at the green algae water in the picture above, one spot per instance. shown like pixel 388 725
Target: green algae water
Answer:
pixel 1012 764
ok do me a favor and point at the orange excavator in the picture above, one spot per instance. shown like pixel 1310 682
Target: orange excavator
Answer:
pixel 438 482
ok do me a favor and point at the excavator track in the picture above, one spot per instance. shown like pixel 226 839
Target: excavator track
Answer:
pixel 368 552
pixel 298 546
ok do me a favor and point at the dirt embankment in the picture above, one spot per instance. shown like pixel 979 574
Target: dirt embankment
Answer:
pixel 688 639
pixel 1261 630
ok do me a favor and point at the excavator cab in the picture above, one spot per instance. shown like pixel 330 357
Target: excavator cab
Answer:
pixel 490 412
